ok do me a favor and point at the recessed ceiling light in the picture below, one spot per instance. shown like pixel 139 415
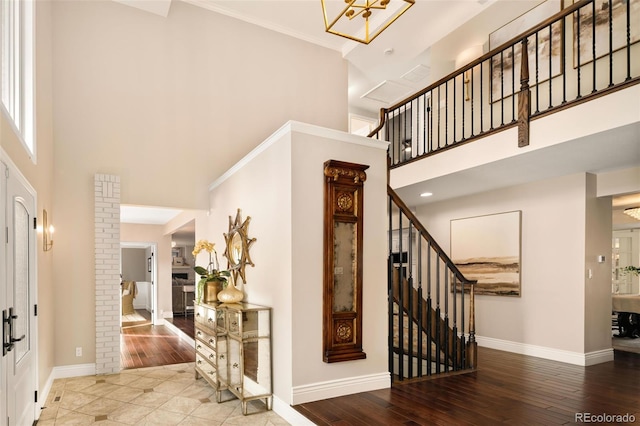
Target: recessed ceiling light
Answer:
pixel 426 194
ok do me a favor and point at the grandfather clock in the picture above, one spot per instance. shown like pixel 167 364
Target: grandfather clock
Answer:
pixel 342 296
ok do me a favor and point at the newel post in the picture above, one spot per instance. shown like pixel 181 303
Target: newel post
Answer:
pixel 524 98
pixel 472 345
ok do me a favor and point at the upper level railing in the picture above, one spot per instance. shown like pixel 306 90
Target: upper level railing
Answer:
pixel 585 50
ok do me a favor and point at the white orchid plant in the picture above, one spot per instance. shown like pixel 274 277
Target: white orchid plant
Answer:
pixel 212 272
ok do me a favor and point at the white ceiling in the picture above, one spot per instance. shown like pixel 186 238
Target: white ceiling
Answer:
pixel 147 215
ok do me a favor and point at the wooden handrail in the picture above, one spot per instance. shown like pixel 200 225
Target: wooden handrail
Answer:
pixel 423 231
pixel 564 12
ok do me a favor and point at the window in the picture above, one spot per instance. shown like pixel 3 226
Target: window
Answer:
pixel 16 58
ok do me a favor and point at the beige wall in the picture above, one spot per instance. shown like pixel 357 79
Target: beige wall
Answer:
pixel 556 218
pixel 285 202
pixel 598 231
pixel 167 104
pixel 40 176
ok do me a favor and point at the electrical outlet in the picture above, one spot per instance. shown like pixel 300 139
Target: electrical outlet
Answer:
pixel 78 351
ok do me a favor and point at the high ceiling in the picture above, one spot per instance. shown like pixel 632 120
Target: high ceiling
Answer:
pixel 394 65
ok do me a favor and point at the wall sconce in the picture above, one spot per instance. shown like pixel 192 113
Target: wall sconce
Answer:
pixel 466 56
pixel 47 232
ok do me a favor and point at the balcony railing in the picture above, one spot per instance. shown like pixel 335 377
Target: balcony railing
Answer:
pixel 584 51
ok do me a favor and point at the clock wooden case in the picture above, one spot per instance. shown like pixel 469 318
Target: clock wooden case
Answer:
pixel 342 296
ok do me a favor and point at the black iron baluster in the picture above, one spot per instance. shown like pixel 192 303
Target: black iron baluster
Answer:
pixel 628 41
pixel 463 346
pixel 409 296
pixel 445 327
pixel 501 90
pixel 400 302
pixel 538 76
pixel 439 118
pixel 430 121
pixel 446 113
pixel 429 311
pixel 563 54
pixel 420 305
pixel 472 99
pixel 513 83
pixel 610 44
pixel 424 123
pixel 579 65
pixel 454 111
pixel 437 318
pixel 491 94
pixel 593 44
pixel 550 62
pixel 454 334
pixel 481 94
pixel 462 90
pixel 390 341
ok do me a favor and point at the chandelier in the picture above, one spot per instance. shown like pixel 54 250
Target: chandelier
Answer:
pixel 634 212
pixel 362 20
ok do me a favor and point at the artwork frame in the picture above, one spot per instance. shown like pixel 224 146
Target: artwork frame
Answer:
pixel 618 26
pixel 487 248
pixel 511 64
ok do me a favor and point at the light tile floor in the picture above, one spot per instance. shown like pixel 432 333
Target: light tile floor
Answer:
pixel 167 395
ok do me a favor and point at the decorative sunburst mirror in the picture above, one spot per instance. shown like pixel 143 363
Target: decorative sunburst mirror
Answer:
pixel 237 247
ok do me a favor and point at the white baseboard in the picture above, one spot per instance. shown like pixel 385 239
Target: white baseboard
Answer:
pixel 290 414
pixel 598 357
pixel 576 358
pixel 180 333
pixel 63 372
pixel 341 387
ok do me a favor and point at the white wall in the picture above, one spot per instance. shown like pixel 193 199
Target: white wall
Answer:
pixel 280 186
pixel 549 317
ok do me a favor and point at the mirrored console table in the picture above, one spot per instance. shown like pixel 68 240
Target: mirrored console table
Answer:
pixel 233 350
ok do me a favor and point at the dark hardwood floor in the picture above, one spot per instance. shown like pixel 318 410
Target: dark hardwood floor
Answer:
pixel 185 324
pixel 507 388
pixel 153 345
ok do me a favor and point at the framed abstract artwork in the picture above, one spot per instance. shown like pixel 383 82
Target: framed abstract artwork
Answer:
pixel 487 249
pixel 505 68
pixel 583 21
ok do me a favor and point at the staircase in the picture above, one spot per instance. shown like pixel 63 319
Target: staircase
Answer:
pixel 427 298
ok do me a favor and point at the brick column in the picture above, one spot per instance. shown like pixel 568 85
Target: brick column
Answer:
pixel 107 269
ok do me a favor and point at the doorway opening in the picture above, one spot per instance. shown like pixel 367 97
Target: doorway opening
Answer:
pixel 137 285
pixel 149 336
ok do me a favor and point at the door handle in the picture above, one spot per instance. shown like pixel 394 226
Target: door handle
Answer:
pixel 6 333
pixel 13 340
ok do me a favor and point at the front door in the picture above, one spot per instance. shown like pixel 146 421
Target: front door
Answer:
pixel 18 307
